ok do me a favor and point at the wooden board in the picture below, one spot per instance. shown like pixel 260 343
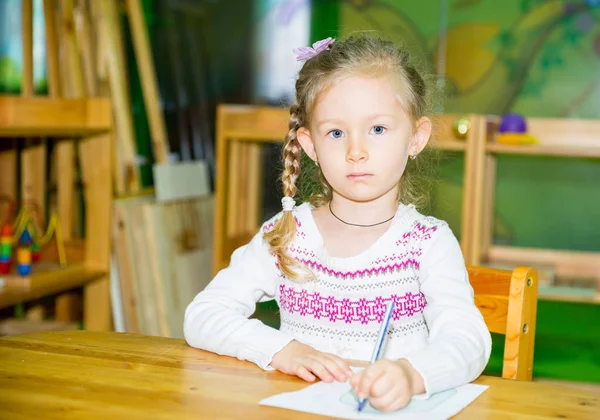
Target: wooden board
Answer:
pixel 164 256
pixel 179 238
pixel 134 296
pixel 42 116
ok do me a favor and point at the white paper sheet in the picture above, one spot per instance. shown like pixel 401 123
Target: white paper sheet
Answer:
pixel 337 400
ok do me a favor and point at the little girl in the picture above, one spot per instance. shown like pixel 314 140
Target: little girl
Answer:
pixel 333 264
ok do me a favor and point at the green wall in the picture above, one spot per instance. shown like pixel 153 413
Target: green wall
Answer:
pixel 539 58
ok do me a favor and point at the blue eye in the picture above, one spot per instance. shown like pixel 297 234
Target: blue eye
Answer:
pixel 336 134
pixel 378 129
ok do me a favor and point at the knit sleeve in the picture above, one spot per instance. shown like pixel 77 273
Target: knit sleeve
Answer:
pixel 217 318
pixel 459 342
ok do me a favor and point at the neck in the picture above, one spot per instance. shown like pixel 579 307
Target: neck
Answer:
pixel 365 212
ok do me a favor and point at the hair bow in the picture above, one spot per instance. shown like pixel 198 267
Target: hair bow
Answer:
pixel 305 53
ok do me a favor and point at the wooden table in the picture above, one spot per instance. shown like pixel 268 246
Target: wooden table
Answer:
pixel 81 375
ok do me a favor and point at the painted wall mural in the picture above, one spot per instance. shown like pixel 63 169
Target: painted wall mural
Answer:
pixel 537 57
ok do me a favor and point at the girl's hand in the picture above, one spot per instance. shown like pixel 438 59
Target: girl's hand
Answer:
pixel 388 385
pixel 307 363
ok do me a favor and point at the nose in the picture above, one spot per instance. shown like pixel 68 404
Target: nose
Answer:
pixel 357 150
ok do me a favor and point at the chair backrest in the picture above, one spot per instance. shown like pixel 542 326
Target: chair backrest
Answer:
pixel 508 302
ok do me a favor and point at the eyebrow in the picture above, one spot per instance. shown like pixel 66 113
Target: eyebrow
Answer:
pixel 337 120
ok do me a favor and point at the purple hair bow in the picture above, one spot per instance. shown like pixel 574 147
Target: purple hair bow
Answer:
pixel 305 53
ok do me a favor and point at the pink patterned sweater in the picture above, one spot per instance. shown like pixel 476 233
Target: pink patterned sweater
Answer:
pixel 417 262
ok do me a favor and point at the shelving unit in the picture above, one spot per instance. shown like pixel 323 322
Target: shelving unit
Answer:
pixel 241 129
pixel 89 122
pixel 566 138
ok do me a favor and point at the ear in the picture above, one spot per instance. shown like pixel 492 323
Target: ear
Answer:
pixel 306 142
pixel 421 135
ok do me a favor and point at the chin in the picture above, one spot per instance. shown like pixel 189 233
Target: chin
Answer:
pixel 361 196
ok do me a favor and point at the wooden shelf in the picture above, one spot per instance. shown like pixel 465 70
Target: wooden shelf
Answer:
pixel 450 145
pixel 49 117
pixel 563 263
pixel 559 294
pixel 544 150
pixel 46 283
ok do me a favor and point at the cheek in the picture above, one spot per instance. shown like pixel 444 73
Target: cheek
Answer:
pixel 392 157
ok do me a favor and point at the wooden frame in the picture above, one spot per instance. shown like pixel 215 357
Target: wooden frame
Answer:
pixel 508 302
pixel 90 121
pixel 569 138
pixel 242 128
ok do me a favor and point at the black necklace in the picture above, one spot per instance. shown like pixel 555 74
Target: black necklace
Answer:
pixel 353 224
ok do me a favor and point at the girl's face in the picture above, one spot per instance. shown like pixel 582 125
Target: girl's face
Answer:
pixel 362 136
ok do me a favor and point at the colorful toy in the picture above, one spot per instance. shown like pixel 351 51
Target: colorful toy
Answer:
pixel 461 127
pixel 23 233
pixel 5 248
pixel 24 253
pixel 513 130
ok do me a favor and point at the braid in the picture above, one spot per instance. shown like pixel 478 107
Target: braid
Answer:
pixel 284 230
pixel 292 152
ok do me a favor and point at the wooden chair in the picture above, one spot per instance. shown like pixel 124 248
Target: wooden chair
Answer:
pixel 508 302
pixel 243 129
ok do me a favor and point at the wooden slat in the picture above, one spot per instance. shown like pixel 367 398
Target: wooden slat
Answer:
pixel 33 157
pixel 95 153
pixel 74 66
pixel 27 41
pixel 474 184
pixel 255 180
pixel 127 267
pixel 489 281
pixel 592 151
pixel 234 178
pixel 521 325
pixel 40 116
pixel 125 133
pixel 567 263
pixel 33 176
pixel 141 44
pixel 494 310
pixel 253 122
pixel 472 191
pixel 489 197
pixel 568 132
pixel 87 46
pixel 54 84
pixel 564 137
pixel 48 283
pixel 8 173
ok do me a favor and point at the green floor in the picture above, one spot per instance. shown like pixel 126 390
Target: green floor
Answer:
pixel 567 343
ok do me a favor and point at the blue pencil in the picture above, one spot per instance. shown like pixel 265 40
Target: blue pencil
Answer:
pixel 379 343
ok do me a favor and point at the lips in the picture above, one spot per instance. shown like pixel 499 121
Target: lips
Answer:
pixel 359 176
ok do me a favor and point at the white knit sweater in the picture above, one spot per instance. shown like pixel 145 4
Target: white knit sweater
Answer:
pixel 417 262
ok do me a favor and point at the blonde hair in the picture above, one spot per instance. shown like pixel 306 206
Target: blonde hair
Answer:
pixel 363 56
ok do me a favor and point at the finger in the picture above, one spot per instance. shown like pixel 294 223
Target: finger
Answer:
pixel 345 366
pixel 303 373
pixel 382 386
pixel 340 370
pixel 370 376
pixel 393 400
pixel 315 365
pixel 355 380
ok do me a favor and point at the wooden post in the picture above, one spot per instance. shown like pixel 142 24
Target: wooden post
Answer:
pixel 141 44
pixel 120 97
pixel 33 158
pixel 95 154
